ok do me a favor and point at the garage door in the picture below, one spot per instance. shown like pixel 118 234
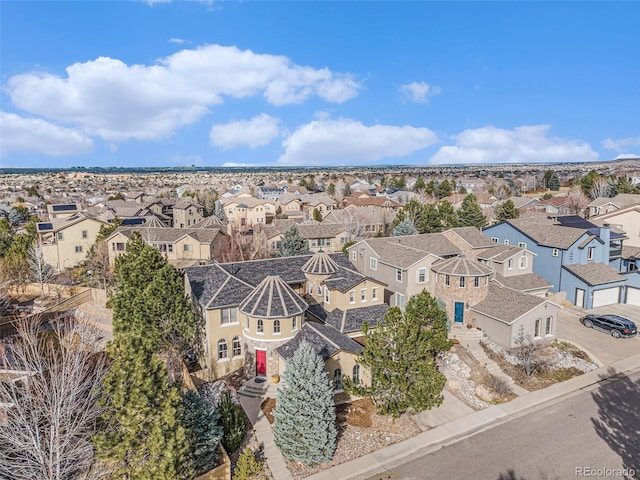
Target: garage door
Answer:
pixel 633 296
pixel 605 297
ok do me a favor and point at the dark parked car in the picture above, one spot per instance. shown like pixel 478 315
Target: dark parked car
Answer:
pixel 615 325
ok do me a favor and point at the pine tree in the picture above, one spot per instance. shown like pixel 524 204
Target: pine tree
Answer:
pixel 447 214
pixel 413 210
pixel 419 184
pixel 405 227
pixel 554 182
pixel 430 221
pixel 292 243
pixel 506 210
pixel 470 214
pixel 142 437
pixel 400 354
pixel 203 432
pixel 331 189
pixel 247 466
pixel 346 191
pixel 443 189
pixel 317 216
pixel 305 416
pixel 232 422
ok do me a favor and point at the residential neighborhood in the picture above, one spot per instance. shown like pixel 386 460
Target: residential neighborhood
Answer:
pixel 261 273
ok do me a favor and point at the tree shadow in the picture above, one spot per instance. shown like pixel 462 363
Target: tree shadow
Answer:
pixel 618 421
pixel 511 475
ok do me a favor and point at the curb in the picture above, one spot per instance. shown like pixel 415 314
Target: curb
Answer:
pixel 385 459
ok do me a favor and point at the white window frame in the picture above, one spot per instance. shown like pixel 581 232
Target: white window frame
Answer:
pixel 523 262
pixel 399 275
pixel 421 272
pixel 400 300
pixel 548 324
pixel 510 264
pixel 506 241
pixel 555 252
pixel 495 239
pixel 232 316
pixel 374 293
pixel 355 374
pixel 363 295
pixel 260 326
pixel 276 327
pixel 236 347
pixel 536 328
pixel 223 350
pixel 476 282
pixel 373 263
pixel 463 281
pixel 352 296
pixel 590 252
pixel 294 323
pixel 522 244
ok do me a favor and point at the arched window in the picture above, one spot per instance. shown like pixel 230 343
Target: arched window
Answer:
pixel 260 326
pixel 337 379
pixel 223 351
pixel 356 374
pixel 537 329
pixel 236 347
pixel 276 326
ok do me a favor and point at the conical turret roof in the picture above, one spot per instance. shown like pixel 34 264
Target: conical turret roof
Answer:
pixel 462 266
pixel 320 264
pixel 273 298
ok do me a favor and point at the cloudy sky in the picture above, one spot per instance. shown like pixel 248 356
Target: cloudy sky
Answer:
pixel 163 83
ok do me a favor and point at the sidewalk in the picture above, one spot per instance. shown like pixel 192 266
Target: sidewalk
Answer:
pixel 493 368
pixel 387 458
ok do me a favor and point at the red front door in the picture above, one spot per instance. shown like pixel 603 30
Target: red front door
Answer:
pixel 261 362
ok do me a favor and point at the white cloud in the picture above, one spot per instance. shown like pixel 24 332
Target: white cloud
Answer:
pixel 526 144
pixel 346 141
pixel 116 101
pixel 621 145
pixel 627 155
pixel 33 135
pixel 418 92
pixel 258 131
pixel 179 41
pixel 241 164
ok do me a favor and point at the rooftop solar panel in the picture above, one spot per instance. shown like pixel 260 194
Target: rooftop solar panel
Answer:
pixel 45 226
pixel 63 208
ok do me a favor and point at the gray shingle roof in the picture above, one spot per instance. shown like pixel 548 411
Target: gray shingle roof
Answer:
pixel 461 265
pixel 506 304
pixel 473 237
pixel 499 253
pixel 352 320
pixel 344 279
pixel 405 251
pixel 169 235
pixel 325 340
pixel 320 264
pixel 594 273
pixel 213 287
pixel 544 232
pixel 273 298
pixel 524 282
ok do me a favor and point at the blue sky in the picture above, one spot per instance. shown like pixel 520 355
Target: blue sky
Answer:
pixel 126 83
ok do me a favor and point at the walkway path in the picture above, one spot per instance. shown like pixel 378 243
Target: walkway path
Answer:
pixel 494 369
pixel 264 434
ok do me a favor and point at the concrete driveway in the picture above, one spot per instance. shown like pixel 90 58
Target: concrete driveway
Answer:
pixel 603 347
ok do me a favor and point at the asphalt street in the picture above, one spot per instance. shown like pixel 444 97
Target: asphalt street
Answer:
pixel 592 433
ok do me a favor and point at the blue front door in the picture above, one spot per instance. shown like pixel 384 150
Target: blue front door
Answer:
pixel 458 316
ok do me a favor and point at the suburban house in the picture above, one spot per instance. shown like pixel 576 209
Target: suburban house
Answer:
pixel 328 237
pixel 625 219
pixel 560 205
pixel 66 240
pixel 289 205
pixel 244 213
pixel 602 205
pixel 269 193
pixel 317 201
pixel 62 210
pixel 182 246
pixel 460 269
pixel 187 213
pixel 573 255
pixel 361 222
pixel 256 313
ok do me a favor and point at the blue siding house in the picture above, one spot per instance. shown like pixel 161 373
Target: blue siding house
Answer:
pixel 576 256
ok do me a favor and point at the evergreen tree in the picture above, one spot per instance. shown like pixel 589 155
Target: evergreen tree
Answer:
pixel 345 248
pixel 447 214
pixel 406 227
pixel 203 432
pixel 413 210
pixel 346 191
pixel 292 243
pixel 142 437
pixel 506 210
pixel 554 182
pixel 400 354
pixel 218 211
pixel 305 415
pixel 443 189
pixel 232 422
pixel 331 189
pixel 470 214
pixel 430 221
pixel 317 216
pixel 247 467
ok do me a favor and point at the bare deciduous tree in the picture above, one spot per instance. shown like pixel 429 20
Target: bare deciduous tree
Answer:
pixel 49 401
pixel 100 265
pixel 601 188
pixel 577 201
pixel 529 353
pixel 41 272
pixel 354 221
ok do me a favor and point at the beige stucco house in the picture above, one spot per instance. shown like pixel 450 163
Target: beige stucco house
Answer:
pixel 66 241
pixel 246 213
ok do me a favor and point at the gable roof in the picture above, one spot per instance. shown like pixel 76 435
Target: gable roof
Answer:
pixel 352 320
pixel 326 341
pixel 524 283
pixel 544 232
pixel 404 251
pixel 473 236
pixel 213 287
pixel 505 304
pixel 594 273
